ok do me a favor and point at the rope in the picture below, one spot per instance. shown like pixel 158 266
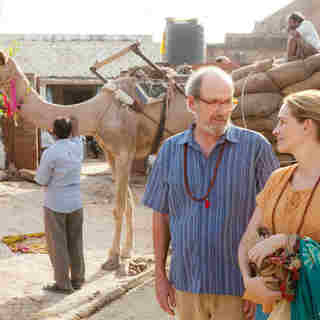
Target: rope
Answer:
pixel 243 93
pixel 243 117
pixel 306 69
pixel 161 127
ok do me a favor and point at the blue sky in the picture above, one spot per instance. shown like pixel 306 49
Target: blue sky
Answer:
pixel 132 17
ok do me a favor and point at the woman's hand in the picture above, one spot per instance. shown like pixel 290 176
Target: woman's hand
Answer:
pixel 266 248
pixel 256 287
pixel 249 309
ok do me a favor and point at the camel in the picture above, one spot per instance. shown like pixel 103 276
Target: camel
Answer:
pixel 123 134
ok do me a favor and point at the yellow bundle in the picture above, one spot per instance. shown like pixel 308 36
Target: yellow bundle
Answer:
pixel 26 243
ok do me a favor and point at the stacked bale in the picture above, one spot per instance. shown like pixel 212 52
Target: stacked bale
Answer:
pixel 260 89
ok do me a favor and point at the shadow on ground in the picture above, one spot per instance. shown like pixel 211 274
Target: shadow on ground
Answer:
pixel 23 307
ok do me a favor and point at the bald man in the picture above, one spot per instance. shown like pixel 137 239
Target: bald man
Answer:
pixel 202 190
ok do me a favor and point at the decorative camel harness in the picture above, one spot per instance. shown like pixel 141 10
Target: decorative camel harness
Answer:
pixel 124 99
pixel 9 107
pixel 132 103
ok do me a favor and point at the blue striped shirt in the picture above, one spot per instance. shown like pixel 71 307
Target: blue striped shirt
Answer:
pixel 204 240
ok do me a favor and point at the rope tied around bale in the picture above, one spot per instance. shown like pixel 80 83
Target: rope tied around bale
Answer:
pixel 243 89
pixel 308 72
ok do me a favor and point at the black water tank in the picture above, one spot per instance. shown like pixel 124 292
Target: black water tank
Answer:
pixel 184 42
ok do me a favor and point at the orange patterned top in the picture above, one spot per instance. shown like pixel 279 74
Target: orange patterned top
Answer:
pixel 289 211
pixel 291 206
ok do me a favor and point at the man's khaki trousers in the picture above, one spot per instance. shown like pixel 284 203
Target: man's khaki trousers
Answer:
pixel 192 306
pixel 65 246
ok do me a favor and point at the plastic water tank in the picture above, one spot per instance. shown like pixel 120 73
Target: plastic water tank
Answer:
pixel 184 42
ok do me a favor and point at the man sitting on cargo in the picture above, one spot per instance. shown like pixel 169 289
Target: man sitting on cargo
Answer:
pixel 303 40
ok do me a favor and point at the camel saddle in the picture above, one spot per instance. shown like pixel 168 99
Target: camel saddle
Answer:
pixel 154 90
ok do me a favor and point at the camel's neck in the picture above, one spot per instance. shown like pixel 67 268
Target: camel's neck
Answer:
pixel 35 109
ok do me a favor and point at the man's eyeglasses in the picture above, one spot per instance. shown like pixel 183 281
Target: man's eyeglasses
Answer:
pixel 227 104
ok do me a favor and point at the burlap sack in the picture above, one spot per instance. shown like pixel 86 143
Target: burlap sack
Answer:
pixel 288 73
pixel 312 63
pixel 257 105
pixel 259 124
pixel 259 66
pixel 312 82
pixel 292 72
pixel 255 83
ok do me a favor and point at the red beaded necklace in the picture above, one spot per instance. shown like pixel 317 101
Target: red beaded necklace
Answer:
pixel 186 183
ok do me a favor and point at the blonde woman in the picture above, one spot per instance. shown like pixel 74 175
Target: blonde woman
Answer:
pixel 289 204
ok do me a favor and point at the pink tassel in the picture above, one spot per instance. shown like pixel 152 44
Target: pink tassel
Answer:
pixel 7 104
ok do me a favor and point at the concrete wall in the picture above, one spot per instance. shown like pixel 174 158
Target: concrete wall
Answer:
pixel 71 55
pixel 74 37
pixel 247 48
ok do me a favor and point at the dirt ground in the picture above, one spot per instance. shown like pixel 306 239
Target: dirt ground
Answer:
pixel 133 306
pixel 22 276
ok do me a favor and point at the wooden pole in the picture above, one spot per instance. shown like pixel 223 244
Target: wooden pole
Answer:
pixel 113 57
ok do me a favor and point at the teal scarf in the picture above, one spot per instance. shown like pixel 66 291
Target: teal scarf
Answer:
pixel 306 305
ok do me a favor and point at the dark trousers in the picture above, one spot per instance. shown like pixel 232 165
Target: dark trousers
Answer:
pixel 64 237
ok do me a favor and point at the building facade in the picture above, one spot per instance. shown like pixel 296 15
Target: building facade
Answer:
pixel 59 67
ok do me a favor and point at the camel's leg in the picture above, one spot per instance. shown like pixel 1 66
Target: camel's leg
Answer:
pixel 127 249
pixel 111 161
pixel 122 166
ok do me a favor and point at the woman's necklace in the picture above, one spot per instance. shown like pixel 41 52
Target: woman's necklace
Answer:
pixel 305 209
pixel 186 183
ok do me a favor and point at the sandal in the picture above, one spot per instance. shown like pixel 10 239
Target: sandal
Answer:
pixel 54 288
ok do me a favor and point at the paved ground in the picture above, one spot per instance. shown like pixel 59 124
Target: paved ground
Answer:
pixel 140 303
